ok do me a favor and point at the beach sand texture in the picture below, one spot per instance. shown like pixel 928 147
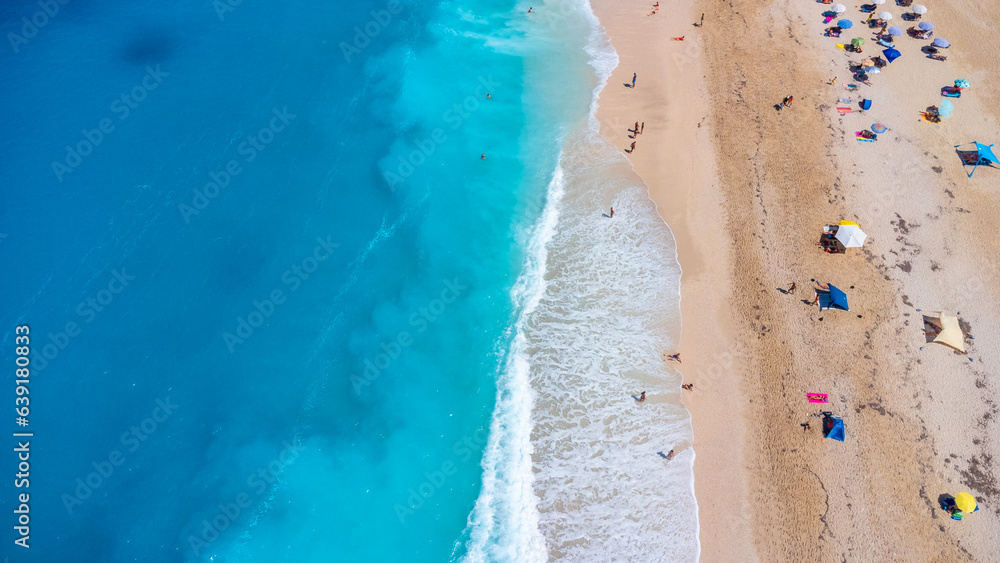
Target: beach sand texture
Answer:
pixel 746 190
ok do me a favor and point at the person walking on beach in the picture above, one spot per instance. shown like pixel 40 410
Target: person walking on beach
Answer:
pixel 612 216
pixel 633 79
pixel 632 148
pixel 642 127
pixel 787 101
pixel 791 289
pixel 642 397
pixel 702 24
pixel 635 128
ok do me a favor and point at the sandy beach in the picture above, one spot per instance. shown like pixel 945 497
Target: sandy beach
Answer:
pixel 746 190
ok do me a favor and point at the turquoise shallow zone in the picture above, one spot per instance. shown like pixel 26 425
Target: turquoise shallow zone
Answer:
pixel 266 272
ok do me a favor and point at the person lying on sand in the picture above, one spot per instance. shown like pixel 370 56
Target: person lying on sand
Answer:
pixel 688 387
pixel 674 357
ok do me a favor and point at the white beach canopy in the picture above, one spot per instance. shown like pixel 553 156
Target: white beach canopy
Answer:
pixel 839 8
pixel 851 235
pixel 885 16
pixel 919 9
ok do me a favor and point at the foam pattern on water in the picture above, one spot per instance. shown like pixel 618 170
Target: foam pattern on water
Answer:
pixel 609 311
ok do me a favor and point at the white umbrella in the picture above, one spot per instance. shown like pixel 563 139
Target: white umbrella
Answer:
pixel 885 16
pixel 839 8
pixel 919 9
pixel 851 236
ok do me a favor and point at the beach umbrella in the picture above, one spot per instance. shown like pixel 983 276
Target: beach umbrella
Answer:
pixel 879 128
pixel 850 235
pixel 895 31
pixel 845 24
pixel 919 9
pixel 838 8
pixel 926 26
pixel 878 2
pixel 885 16
pixel 891 54
pixel 965 502
pixel 945 107
pixel 942 42
pixel 857 42
pixel 962 83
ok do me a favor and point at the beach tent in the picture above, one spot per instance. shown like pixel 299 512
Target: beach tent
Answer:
pixel 866 103
pixel 984 155
pixel 833 299
pixel 891 54
pixel 833 427
pixel 951 333
pixel 850 234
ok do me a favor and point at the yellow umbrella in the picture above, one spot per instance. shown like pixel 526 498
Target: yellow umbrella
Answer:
pixel 965 502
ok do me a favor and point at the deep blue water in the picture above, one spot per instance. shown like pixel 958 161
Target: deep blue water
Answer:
pixel 213 239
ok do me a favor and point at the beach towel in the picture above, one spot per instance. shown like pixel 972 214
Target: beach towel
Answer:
pixel 859 135
pixel 845 110
pixel 817 397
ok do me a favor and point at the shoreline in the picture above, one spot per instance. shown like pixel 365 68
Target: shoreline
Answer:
pixel 680 176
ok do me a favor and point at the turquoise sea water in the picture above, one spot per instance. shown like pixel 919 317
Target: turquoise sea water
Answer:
pixel 274 290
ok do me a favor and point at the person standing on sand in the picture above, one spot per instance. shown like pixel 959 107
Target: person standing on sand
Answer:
pixel 633 79
pixel 787 101
pixel 635 128
pixel 642 127
pixel 632 148
pixel 791 289
pixel 702 24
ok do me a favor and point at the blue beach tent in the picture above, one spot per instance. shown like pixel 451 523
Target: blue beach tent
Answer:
pixel 835 299
pixel 982 155
pixel 866 104
pixel 891 54
pixel 833 428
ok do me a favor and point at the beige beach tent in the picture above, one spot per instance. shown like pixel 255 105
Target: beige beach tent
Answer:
pixel 951 333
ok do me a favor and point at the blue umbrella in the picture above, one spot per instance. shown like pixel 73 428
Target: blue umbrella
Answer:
pixel 926 26
pixel 895 31
pixel 942 42
pixel 845 24
pixel 879 128
pixel 891 54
